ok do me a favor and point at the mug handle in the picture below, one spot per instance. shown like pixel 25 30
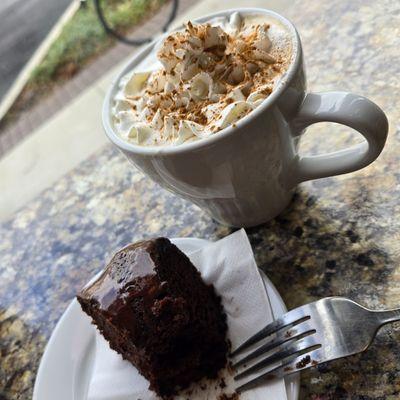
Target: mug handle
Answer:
pixel 349 109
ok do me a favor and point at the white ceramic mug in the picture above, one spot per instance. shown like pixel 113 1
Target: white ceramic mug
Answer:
pixel 245 175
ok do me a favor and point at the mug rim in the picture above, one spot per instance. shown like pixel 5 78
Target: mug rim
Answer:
pixel 230 130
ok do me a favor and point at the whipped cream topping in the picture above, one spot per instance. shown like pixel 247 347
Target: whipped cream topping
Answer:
pixel 207 77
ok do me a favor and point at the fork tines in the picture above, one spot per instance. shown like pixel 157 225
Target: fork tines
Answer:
pixel 291 365
pixel 286 321
pixel 293 342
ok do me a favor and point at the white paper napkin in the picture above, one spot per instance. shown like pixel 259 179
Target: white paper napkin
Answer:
pixel 230 266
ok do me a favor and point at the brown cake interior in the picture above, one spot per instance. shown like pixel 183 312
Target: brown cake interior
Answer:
pixel 154 309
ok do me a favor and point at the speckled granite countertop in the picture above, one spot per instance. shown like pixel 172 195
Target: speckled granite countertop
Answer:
pixel 340 236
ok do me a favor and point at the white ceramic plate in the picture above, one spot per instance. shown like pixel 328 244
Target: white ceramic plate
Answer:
pixel 66 366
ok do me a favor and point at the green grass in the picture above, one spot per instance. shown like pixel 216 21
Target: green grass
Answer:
pixel 83 37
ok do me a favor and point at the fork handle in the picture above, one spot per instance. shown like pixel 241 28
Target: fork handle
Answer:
pixel 385 317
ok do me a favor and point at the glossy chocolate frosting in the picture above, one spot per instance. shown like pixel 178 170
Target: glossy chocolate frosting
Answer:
pixel 117 278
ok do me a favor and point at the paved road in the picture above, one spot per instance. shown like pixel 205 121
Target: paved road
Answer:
pixel 23 25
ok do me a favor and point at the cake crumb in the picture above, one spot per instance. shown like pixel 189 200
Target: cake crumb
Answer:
pixel 303 362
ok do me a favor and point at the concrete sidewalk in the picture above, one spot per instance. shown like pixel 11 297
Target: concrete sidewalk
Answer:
pixel 75 132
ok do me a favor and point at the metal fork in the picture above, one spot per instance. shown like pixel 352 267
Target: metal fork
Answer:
pixel 328 329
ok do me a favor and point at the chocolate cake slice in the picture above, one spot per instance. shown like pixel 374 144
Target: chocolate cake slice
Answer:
pixel 153 308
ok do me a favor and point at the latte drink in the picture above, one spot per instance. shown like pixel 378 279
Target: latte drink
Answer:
pixel 201 79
